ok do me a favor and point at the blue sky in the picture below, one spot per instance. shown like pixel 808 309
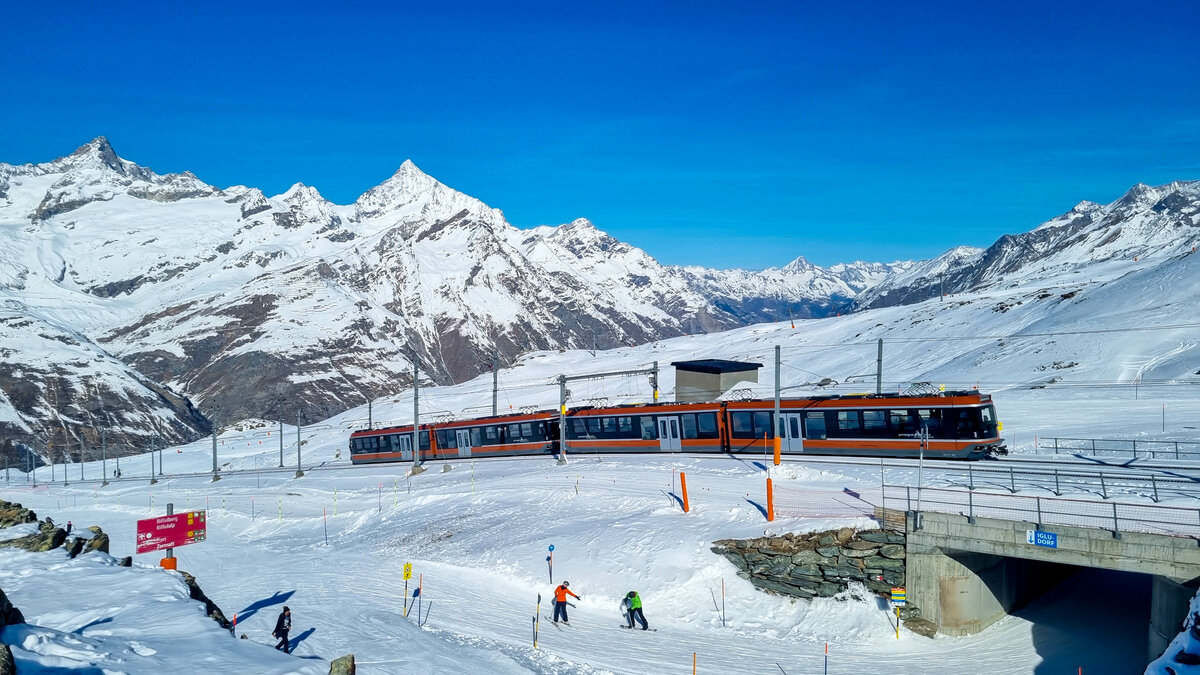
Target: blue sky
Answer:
pixel 705 133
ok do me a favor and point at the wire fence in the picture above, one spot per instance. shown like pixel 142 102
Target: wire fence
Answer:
pixel 1114 516
pixel 1117 447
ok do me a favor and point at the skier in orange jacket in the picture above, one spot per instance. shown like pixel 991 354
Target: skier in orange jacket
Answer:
pixel 560 600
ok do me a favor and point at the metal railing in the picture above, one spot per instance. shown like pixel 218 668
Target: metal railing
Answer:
pixel 1129 447
pixel 1115 517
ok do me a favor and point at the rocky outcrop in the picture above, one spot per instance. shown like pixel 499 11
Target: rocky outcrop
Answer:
pixel 820 564
pixel 210 607
pixel 48 537
pixel 9 614
pixel 99 540
pixel 14 514
pixel 342 666
pixel 7 665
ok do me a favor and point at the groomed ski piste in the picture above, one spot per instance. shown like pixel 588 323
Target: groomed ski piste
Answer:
pixel 332 544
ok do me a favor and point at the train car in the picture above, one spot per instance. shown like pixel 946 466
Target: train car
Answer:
pixel 668 427
pixel 959 425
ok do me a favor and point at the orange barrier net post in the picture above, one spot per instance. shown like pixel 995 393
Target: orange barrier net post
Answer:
pixel 683 487
pixel 770 501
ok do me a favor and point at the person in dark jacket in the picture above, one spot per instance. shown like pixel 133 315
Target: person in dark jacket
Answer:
pixel 69 527
pixel 282 625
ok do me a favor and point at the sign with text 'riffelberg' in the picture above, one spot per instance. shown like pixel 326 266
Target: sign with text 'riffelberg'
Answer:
pixel 155 534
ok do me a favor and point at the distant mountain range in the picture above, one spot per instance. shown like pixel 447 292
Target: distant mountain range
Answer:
pixel 153 305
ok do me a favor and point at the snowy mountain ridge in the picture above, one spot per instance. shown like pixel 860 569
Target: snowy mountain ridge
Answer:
pixel 257 305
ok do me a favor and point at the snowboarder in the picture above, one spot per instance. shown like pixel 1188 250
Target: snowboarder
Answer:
pixel 632 604
pixel 560 600
pixel 282 625
pixel 69 527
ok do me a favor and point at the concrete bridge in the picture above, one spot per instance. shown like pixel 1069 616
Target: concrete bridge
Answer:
pixel 966 573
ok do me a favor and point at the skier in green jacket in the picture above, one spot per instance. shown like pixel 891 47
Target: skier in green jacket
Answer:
pixel 632 604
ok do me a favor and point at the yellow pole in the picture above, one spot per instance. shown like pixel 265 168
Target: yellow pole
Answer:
pixel 897 622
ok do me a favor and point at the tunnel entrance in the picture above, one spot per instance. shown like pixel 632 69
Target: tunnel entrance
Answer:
pixel 1094 619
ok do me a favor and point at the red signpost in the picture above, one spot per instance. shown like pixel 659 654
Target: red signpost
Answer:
pixel 155 534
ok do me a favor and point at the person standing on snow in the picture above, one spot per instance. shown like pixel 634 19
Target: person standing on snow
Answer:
pixel 69 527
pixel 282 625
pixel 560 601
pixel 633 609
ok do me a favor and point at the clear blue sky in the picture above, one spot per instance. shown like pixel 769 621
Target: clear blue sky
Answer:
pixel 722 134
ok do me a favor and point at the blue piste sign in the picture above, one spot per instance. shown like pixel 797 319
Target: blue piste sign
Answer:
pixel 1040 538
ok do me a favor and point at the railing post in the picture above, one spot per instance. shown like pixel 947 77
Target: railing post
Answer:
pixel 1038 500
pixel 1176 449
pixel 1056 445
pixel 1116 527
pixel 1154 484
pixel 1057 491
pixel 970 477
pixel 971 507
pixel 1012 481
pixel 1103 488
pixel 1093 447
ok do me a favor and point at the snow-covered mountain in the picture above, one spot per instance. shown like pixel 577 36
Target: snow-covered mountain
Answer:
pixel 1147 225
pixel 120 285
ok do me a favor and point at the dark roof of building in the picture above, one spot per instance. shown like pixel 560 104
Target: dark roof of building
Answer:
pixel 715 366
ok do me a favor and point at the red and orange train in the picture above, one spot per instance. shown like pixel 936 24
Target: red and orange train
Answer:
pixel 960 425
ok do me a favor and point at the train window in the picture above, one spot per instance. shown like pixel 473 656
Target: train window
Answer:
pixel 452 437
pixel 814 426
pixel 707 423
pixel 489 433
pixel 609 424
pixel 874 420
pixel 794 422
pixel 577 429
pixel 476 436
pixel 527 431
pixel 593 424
pixel 674 427
pixel 625 424
pixel 903 422
pixel 649 433
pixel 931 420
pixel 539 431
pixel 742 424
pixel 762 425
pixel 424 440
pixel 689 425
pixel 966 423
pixel 847 420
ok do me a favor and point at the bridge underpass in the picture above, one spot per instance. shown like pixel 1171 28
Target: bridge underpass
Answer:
pixel 964 574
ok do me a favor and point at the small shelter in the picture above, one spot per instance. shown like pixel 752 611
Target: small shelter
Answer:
pixel 707 379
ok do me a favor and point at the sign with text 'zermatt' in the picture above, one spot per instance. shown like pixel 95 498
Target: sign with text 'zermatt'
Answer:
pixel 155 534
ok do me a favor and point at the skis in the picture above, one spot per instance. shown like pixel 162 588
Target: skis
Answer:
pixel 632 628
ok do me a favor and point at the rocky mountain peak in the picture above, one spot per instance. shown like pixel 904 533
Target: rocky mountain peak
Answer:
pixel 98 152
pixel 798 265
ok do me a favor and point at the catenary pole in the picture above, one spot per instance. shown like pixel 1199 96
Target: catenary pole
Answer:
pixel 562 419
pixel 495 387
pixel 879 369
pixel 299 473
pixel 281 444
pixel 103 460
pixel 778 422
pixel 416 436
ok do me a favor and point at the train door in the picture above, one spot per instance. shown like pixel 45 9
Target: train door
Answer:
pixel 668 434
pixel 463 436
pixel 405 443
pixel 790 437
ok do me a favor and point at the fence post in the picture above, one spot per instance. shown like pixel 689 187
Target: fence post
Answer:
pixel 1057 492
pixel 683 486
pixel 1116 527
pixel 1103 489
pixel 1154 484
pixel 1056 445
pixel 1012 481
pixel 1038 501
pixel 770 501
pixel 971 507
pixel 970 477
pixel 1176 449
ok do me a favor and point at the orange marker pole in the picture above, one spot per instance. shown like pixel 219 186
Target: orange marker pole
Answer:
pixel 683 487
pixel 693 663
pixel 770 501
pixel 777 442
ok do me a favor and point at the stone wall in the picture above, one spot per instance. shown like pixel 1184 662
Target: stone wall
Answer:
pixel 820 564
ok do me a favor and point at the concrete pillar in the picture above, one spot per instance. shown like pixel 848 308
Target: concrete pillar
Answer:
pixel 1169 602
